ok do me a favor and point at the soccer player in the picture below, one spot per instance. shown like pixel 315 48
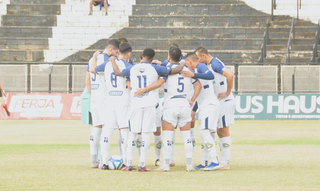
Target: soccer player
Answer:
pixel 98 94
pixel 143 111
pixel 208 105
pixel 117 104
pixel 2 101
pixel 177 108
pixel 223 84
pixel 101 3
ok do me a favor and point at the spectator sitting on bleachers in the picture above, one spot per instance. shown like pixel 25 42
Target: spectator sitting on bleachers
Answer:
pixel 101 3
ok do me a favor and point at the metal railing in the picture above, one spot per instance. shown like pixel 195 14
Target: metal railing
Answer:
pixel 265 42
pixel 315 46
pixel 291 34
pixel 274 6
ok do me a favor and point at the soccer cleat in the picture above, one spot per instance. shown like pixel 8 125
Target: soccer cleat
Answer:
pixel 143 169
pixel 128 168
pixel 106 14
pixel 8 113
pixel 90 13
pixel 172 164
pixel 165 168
pixel 105 167
pixel 95 165
pixel 158 163
pixel 190 168
pixel 200 167
pixel 212 166
pixel 223 167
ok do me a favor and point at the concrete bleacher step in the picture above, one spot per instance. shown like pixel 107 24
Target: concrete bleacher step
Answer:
pixel 188 1
pixel 189 32
pixel 190 43
pixel 297 41
pixel 21 55
pixel 288 23
pixel 298 29
pixel 81 10
pixel 194 9
pixel 297 35
pixel 28 20
pixel 226 56
pixel 293 48
pixel 24 43
pixel 43 2
pixel 197 20
pixel 91 21
pixel 33 9
pixel 27 31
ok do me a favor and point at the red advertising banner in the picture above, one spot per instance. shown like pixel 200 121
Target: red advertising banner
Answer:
pixel 42 106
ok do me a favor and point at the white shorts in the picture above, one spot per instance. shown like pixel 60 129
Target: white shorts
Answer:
pixel 143 120
pixel 208 117
pixel 177 115
pixel 158 116
pixel 97 112
pixel 226 114
pixel 117 116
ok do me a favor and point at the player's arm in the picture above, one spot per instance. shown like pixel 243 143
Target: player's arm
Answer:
pixel 88 82
pixel 177 69
pixel 197 89
pixel 94 62
pixel 1 86
pixel 116 69
pixel 203 73
pixel 229 76
pixel 151 87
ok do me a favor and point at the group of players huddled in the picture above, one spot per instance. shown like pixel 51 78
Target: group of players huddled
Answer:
pixel 125 96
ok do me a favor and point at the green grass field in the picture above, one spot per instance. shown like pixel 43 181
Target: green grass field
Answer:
pixel 54 155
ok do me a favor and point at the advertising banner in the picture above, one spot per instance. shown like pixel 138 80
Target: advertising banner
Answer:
pixel 278 106
pixel 248 106
pixel 43 106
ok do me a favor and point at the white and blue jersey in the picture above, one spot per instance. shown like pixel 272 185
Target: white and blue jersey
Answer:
pixel 117 90
pixel 207 95
pixel 142 75
pixel 178 89
pixel 166 62
pixel 220 82
pixel 98 89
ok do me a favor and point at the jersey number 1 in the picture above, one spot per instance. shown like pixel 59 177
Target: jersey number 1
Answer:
pixel 144 81
pixel 113 80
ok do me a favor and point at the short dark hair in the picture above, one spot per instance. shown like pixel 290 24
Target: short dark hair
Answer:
pixel 192 56
pixel 173 45
pixel 175 53
pixel 123 40
pixel 114 43
pixel 149 53
pixel 202 50
pixel 125 48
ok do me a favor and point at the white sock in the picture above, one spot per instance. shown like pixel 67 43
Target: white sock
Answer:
pixel 173 144
pixel 157 146
pixel 145 143
pixel 167 146
pixel 205 155
pixel 225 146
pixel 187 146
pixel 209 144
pixel 130 149
pixel 119 143
pixel 105 144
pixel 193 135
pixel 124 142
pixel 213 135
pixel 138 144
pixel 94 142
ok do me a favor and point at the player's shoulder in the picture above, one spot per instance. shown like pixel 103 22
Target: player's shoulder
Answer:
pixel 217 62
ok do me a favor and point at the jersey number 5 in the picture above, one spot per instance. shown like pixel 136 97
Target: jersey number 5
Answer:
pixel 144 81
pixel 180 83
